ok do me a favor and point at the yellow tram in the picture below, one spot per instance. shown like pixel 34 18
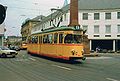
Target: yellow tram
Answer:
pixel 58 42
pixel 23 45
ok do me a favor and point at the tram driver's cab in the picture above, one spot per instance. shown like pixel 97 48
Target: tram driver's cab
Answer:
pixel 73 38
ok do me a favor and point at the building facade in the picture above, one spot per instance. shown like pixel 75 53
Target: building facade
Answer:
pixel 26 28
pixel 28 25
pixel 13 40
pixel 101 19
pixel 2 31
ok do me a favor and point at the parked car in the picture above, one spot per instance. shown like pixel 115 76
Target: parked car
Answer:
pixel 17 48
pixel 6 52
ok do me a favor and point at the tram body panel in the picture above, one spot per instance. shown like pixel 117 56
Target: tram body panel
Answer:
pixel 34 48
pixel 58 44
pixel 47 49
pixel 72 51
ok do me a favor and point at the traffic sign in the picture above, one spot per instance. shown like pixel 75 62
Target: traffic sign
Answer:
pixel 2 13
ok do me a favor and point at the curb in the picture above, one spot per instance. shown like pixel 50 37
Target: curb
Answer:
pixel 91 55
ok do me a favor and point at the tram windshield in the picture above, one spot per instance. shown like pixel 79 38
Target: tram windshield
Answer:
pixel 73 38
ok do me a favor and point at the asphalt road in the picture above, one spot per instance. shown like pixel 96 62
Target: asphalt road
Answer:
pixel 30 68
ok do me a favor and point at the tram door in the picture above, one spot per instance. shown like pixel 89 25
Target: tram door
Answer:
pixel 60 46
pixel 39 46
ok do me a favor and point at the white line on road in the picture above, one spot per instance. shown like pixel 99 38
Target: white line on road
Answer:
pixel 62 67
pixel 110 79
pixel 32 59
pixel 21 59
pixel 99 57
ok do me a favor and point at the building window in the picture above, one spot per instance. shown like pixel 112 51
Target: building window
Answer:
pixel 96 36
pixel 85 16
pixel 96 29
pixel 118 15
pixel 96 16
pixel 108 29
pixel 107 35
pixel 118 28
pixel 107 15
pixel 85 27
pixel 118 35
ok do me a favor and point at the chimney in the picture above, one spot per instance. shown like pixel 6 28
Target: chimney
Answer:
pixel 74 13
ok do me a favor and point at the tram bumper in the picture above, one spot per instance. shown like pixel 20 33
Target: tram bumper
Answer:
pixel 77 58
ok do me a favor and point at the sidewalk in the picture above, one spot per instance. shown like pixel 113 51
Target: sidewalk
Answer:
pixel 99 54
pixel 91 55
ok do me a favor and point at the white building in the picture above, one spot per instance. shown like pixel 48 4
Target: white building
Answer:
pixel 101 19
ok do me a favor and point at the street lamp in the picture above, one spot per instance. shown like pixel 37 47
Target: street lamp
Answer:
pixel 56 9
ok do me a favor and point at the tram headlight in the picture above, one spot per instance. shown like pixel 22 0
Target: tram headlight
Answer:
pixel 82 51
pixel 73 52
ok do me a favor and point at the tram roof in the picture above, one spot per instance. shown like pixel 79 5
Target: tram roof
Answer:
pixel 55 29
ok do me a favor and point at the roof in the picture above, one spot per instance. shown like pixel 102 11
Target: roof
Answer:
pixel 62 28
pixel 99 4
pixel 27 21
pixel 38 18
pixel 89 5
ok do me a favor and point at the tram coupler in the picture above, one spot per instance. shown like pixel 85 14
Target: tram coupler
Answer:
pixel 84 58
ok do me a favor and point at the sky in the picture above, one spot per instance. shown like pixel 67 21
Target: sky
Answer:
pixel 19 10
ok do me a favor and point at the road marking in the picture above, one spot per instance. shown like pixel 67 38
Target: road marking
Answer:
pixel 62 67
pixel 110 79
pixel 32 59
pixel 21 59
pixel 99 57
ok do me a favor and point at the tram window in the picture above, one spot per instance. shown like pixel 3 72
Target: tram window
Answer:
pixel 45 39
pixel 55 37
pixel 50 38
pixel 78 38
pixel 32 40
pixel 60 38
pixel 29 39
pixel 40 39
pixel 71 38
pixel 35 39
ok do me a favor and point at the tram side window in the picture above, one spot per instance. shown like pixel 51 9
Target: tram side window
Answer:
pixel 45 39
pixel 35 39
pixel 68 38
pixel 71 38
pixel 55 37
pixel 40 39
pixel 50 38
pixel 60 38
pixel 29 39
pixel 32 39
